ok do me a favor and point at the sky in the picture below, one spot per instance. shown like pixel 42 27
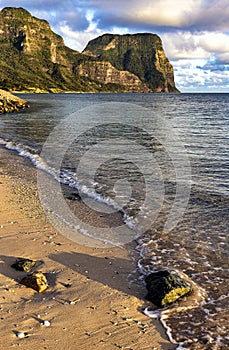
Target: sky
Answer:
pixel 195 33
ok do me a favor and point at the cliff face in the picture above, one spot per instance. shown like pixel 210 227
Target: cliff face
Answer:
pixel 140 54
pixel 27 34
pixel 107 74
pixel 34 58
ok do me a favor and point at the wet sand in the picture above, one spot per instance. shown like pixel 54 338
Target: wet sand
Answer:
pixel 90 302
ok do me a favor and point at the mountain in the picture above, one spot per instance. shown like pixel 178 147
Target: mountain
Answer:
pixel 35 59
pixel 141 54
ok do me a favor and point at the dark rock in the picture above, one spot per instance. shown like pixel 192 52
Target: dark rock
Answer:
pixel 165 287
pixel 74 197
pixel 36 281
pixel 23 264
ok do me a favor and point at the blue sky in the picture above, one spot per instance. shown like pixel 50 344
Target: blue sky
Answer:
pixel 195 33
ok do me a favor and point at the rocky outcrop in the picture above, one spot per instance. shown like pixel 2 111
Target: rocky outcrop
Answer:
pixel 141 54
pixel 34 59
pixel 104 72
pixel 10 103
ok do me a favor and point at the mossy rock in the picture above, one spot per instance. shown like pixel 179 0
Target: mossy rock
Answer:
pixel 165 287
pixel 36 281
pixel 23 264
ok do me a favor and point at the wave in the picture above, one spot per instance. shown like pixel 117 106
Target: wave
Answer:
pixel 66 177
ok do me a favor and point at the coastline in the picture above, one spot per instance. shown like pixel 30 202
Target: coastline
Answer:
pixel 89 303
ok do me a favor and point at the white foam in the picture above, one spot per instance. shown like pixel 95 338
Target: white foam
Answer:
pixel 161 316
pixel 67 177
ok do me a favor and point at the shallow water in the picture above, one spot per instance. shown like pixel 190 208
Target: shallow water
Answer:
pixel 163 160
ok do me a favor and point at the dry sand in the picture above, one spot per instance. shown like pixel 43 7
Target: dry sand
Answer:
pixel 89 303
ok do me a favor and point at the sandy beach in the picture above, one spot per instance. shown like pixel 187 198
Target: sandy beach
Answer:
pixel 90 302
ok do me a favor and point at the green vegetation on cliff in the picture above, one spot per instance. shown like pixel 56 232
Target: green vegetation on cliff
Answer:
pixel 141 54
pixel 33 58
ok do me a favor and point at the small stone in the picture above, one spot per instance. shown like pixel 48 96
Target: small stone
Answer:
pixel 36 281
pixel 23 264
pixel 46 323
pixel 74 197
pixel 20 334
pixel 73 302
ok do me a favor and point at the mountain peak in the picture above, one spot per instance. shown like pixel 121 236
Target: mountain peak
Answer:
pixel 141 54
pixel 17 12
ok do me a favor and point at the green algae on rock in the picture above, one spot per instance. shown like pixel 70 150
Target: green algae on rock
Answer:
pixel 165 287
pixel 23 264
pixel 36 281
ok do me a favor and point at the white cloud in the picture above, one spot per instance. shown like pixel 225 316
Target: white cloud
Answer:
pixel 198 75
pixel 195 14
pixel 164 12
pixel 198 45
pixel 77 39
pixel 214 42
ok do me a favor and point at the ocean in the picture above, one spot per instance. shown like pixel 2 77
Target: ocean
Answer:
pixel 162 160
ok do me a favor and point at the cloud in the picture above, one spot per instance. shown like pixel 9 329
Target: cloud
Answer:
pixel 201 75
pixel 213 67
pixel 190 14
pixel 146 13
pixel 77 38
pixel 176 14
pixel 189 45
pixel 54 11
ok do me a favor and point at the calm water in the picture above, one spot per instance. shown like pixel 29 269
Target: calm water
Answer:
pixel 161 159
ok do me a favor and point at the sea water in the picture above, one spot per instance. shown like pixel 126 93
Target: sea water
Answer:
pixel 163 161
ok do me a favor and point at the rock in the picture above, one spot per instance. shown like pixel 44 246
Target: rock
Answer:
pixel 23 264
pixel 20 334
pixel 74 197
pixel 165 287
pixel 36 281
pixel 10 103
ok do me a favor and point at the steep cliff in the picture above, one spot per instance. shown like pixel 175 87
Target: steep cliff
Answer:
pixel 34 58
pixel 105 73
pixel 141 54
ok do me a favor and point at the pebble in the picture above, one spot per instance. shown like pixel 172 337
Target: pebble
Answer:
pixel 73 302
pixel 46 323
pixel 20 335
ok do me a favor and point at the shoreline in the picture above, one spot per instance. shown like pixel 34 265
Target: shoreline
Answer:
pixel 89 302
